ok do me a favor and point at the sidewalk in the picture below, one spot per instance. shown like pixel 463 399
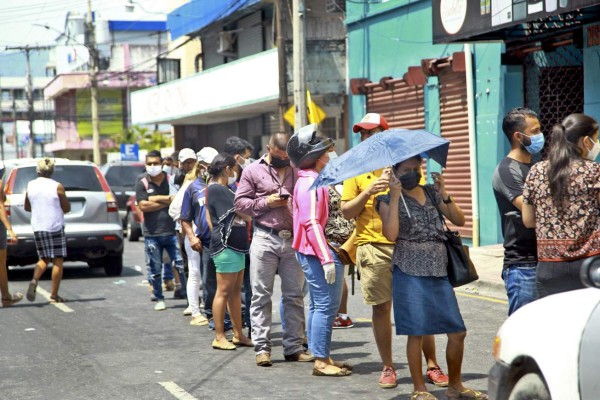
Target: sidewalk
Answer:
pixel 488 262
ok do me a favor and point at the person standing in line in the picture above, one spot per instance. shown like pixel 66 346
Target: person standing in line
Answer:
pixel 154 195
pixel 561 200
pixel 264 193
pixel 323 270
pixel 197 242
pixel 522 129
pixel 8 298
pixel 46 200
pixel 228 245
pixel 374 259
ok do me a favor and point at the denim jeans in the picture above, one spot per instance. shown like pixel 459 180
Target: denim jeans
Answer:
pixel 246 294
pixel 154 247
pixel 324 302
pixel 209 285
pixel 519 280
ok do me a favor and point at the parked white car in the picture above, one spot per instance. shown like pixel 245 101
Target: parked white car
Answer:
pixel 550 349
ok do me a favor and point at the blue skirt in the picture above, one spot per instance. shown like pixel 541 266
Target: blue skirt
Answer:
pixel 425 305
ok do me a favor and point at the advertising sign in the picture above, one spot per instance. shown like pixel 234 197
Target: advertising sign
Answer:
pixel 110 111
pixel 465 20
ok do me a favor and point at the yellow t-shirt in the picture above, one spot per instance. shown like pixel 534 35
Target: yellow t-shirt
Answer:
pixel 368 222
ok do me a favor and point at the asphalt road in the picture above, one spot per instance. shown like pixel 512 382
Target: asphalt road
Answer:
pixel 109 343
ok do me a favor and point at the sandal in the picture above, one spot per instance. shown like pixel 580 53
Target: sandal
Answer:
pixel 324 372
pixel 218 346
pixel 238 342
pixel 13 299
pixel 416 395
pixel 58 299
pixel 465 394
pixel 31 291
pixel 343 365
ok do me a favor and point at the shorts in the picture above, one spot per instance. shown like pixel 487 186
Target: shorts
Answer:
pixel 51 244
pixel 229 261
pixel 374 262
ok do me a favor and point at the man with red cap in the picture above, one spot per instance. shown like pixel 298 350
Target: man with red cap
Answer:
pixel 374 257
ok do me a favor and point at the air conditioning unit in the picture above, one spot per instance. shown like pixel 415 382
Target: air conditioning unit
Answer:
pixel 227 46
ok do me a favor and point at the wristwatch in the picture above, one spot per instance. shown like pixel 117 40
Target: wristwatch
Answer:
pixel 448 200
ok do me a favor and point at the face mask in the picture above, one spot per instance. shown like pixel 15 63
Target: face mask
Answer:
pixel 537 143
pixel 410 179
pixel 153 170
pixel 332 155
pixel 246 162
pixel 167 169
pixel 593 152
pixel 277 162
pixel 232 179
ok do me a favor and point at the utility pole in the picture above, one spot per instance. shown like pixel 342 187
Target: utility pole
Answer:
pixel 94 85
pixel 298 14
pixel 14 129
pixel 1 125
pixel 29 88
pixel 282 60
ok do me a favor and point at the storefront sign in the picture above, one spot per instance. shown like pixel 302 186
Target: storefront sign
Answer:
pixel 470 20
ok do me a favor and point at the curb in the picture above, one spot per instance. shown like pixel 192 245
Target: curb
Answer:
pixel 480 287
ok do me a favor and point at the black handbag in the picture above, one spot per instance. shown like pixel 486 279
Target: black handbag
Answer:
pixel 460 267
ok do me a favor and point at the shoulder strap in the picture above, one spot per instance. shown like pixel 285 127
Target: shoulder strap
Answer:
pixel 428 194
pixel 145 182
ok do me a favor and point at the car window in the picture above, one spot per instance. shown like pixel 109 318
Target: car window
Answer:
pixel 124 175
pixel 72 177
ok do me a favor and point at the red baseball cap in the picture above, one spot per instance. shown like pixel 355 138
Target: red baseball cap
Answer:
pixel 371 121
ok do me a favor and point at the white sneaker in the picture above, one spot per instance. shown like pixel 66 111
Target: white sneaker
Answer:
pixel 187 311
pixel 160 305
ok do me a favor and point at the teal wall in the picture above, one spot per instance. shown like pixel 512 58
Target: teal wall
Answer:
pixel 385 39
pixel 591 78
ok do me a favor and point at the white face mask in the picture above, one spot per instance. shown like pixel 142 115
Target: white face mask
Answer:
pixel 332 155
pixel 232 179
pixel 167 169
pixel 153 170
pixel 593 152
pixel 246 162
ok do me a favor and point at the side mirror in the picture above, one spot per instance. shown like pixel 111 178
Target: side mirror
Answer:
pixel 590 272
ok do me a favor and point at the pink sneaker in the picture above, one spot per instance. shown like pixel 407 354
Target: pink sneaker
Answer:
pixel 342 323
pixel 437 377
pixel 388 378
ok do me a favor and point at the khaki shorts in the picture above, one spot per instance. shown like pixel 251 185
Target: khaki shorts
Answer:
pixel 375 265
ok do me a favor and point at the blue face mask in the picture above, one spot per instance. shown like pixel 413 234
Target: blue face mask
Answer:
pixel 537 143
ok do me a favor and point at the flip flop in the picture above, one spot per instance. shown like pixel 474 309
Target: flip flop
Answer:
pixel 58 299
pixel 13 299
pixel 31 291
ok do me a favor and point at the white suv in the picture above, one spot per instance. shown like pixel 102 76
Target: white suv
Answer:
pixel 550 349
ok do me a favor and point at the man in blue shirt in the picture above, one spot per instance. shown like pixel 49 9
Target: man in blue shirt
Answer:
pixel 197 240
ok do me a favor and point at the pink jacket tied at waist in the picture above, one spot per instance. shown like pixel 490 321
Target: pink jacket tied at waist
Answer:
pixel 311 209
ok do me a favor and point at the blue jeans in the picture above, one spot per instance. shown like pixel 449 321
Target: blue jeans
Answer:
pixel 154 247
pixel 168 271
pixel 519 280
pixel 246 294
pixel 324 302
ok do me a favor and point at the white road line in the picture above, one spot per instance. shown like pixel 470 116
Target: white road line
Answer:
pixel 61 306
pixel 176 391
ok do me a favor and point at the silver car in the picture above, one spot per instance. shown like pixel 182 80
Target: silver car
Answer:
pixel 93 228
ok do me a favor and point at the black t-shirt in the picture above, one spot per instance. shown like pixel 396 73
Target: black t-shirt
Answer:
pixel 229 230
pixel 519 242
pixel 156 223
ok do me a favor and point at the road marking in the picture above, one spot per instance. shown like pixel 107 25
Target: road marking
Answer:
pixel 176 391
pixel 479 297
pixel 363 320
pixel 61 306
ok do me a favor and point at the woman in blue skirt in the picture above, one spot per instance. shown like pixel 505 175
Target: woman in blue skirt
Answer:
pixel 424 301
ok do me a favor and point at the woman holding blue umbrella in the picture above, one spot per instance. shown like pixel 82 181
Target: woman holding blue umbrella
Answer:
pixel 423 298
pixel 324 272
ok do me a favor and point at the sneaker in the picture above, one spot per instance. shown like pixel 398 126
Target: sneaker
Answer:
pixel 160 305
pixel 388 378
pixel 199 320
pixel 188 311
pixel 168 286
pixel 342 323
pixel 437 377
pixel 263 360
pixel 300 356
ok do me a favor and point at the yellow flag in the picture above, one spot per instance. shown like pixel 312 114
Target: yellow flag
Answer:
pixel 314 113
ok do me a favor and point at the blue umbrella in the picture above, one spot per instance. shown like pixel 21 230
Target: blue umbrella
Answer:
pixel 383 150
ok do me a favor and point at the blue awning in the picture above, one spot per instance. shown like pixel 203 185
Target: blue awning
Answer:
pixel 198 14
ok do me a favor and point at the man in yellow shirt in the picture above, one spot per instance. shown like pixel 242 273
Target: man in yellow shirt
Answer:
pixel 374 258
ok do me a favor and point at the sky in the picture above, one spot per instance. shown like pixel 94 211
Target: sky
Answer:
pixel 17 18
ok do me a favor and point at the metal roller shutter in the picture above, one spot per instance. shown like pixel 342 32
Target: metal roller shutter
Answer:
pixel 455 127
pixel 401 105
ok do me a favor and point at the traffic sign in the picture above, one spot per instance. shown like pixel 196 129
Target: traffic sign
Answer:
pixel 130 152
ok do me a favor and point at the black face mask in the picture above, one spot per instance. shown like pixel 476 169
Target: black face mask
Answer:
pixel 410 179
pixel 277 162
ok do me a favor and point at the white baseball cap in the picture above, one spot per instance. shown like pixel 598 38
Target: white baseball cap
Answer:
pixel 207 154
pixel 186 154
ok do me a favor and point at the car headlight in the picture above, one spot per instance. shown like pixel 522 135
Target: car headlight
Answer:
pixel 497 345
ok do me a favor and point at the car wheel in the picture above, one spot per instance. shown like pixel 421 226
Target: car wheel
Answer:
pixel 530 386
pixel 134 231
pixel 113 265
